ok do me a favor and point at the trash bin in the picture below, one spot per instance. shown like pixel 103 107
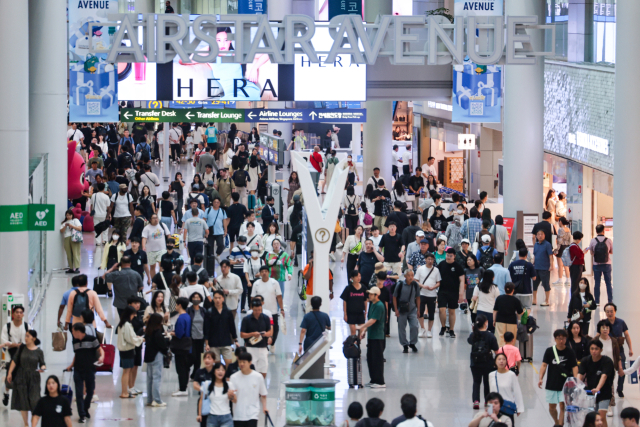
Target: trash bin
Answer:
pixel 298 401
pixel 323 402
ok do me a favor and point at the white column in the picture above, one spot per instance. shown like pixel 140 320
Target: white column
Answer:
pixel 167 151
pixel 377 145
pixel 14 134
pixel 277 10
pixel 48 107
pixel 373 8
pixel 523 143
pixel 626 171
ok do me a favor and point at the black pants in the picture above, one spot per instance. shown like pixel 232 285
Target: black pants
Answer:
pixel 276 328
pixel 386 325
pixel 197 348
pixel 575 272
pixel 195 248
pixel 406 169
pixel 394 171
pixel 621 379
pixel 217 240
pixel 245 287
pixel 351 222
pixel 175 151
pixel 250 423
pixel 81 380
pixel 480 375
pixel 375 363
pixel 352 260
pixel 182 369
pixel 352 178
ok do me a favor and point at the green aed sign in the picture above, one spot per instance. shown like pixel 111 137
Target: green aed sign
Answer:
pixel 27 218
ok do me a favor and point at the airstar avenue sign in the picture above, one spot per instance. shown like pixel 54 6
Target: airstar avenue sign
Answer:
pixel 405 40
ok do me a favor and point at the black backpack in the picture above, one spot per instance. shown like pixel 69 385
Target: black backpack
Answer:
pixel 351 209
pixel 80 303
pixel 240 178
pixel 481 352
pixel 601 251
pixel 486 258
pixel 351 347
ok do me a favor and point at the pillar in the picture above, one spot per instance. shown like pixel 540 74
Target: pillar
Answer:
pixel 580 31
pixel 277 10
pixel 373 8
pixel 14 134
pixel 523 142
pixel 625 170
pixel 48 107
pixel 377 145
pixel 145 6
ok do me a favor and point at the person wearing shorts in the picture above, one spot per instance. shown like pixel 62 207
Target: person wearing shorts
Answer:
pixel 543 253
pixel 590 371
pixel 256 332
pixel 155 256
pixel 354 302
pixel 451 290
pixel 428 278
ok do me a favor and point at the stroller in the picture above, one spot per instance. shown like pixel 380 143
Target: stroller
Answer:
pixel 578 402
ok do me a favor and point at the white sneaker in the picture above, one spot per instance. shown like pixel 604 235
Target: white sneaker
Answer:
pixel 423 333
pixel 558 282
pixel 378 386
pixel 339 245
pixel 158 405
pixel 95 398
pixel 429 334
pixel 179 393
pixel 137 391
pixel 610 412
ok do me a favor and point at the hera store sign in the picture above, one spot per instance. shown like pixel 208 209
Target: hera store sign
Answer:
pixel 405 40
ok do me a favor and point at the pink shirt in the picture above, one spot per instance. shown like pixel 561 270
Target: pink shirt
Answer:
pixel 512 353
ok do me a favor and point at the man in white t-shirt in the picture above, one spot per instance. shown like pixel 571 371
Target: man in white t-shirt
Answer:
pixel 74 134
pixel 429 168
pixel 407 161
pixel 247 391
pixel 396 161
pixel 269 290
pixel 121 210
pixel 373 180
pixel 151 180
pixel 428 278
pixel 154 242
pixel 100 203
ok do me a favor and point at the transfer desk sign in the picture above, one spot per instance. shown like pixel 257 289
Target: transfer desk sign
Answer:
pixel 181 115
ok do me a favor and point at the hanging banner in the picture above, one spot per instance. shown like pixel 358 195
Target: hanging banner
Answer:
pixel 345 7
pixel 478 7
pixel 508 223
pixel 252 7
pixel 93 83
pixel 477 93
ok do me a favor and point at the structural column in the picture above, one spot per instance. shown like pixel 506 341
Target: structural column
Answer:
pixel 377 145
pixel 523 144
pixel 48 108
pixel 14 137
pixel 277 10
pixel 625 171
pixel 373 8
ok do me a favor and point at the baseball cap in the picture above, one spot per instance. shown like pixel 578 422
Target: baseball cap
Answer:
pixel 465 241
pixel 420 233
pixel 210 182
pixel 122 186
pixel 443 238
pixel 424 241
pixel 375 290
pixel 486 238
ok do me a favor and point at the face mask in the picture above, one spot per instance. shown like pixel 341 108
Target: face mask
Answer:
pixel 582 286
pixel 255 255
pixel 460 212
pixel 170 248
pixel 196 302
pixel 115 237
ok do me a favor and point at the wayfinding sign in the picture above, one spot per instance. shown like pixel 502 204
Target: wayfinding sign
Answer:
pixel 305 115
pixel 181 115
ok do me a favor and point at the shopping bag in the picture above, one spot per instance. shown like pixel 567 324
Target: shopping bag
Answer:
pixel 59 340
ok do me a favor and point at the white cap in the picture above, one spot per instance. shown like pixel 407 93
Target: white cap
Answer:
pixel 465 241
pixel 486 238
pixel 420 233
pixel 443 238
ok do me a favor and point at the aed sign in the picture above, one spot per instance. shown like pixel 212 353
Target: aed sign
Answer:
pixel 27 218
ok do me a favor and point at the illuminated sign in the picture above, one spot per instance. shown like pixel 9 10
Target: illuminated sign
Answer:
pixel 589 142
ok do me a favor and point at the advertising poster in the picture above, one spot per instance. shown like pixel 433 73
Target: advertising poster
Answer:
pixel 477 93
pixel 93 83
pixel 478 7
pixel 345 7
pixel 508 223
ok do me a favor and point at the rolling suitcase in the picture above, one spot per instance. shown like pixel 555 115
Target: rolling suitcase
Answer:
pixel 210 261
pixel 354 372
pixel 100 285
pixel 65 389
pixel 109 354
pixel 526 349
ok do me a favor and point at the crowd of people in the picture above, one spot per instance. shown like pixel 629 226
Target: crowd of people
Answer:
pixel 405 251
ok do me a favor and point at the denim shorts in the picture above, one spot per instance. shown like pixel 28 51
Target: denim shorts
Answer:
pixel 219 420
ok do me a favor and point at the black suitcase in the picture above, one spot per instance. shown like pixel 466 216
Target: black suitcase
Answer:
pixel 100 285
pixel 210 262
pixel 354 372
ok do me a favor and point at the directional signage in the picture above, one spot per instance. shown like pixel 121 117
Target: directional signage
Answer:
pixel 181 115
pixel 306 115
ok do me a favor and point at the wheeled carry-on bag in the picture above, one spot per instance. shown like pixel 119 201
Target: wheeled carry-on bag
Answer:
pixel 526 349
pixel 210 261
pixel 354 372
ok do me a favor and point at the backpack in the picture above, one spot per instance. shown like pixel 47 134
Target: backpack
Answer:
pixel 486 257
pixel 80 303
pixel 532 324
pixel 26 329
pixel 601 251
pixel 368 220
pixel 240 178
pixel 481 352
pixel 351 347
pixel 144 152
pixel 351 209
pixel 566 256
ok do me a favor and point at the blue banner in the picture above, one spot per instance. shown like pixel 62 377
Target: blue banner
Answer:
pixel 252 7
pixel 93 83
pixel 345 7
pixel 305 116
pixel 477 93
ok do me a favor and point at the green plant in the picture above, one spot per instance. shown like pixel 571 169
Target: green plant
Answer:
pixel 442 11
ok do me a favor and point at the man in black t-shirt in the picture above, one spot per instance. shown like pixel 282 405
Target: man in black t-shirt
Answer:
pixel 139 262
pixel 562 363
pixel 86 348
pixel 236 213
pixel 400 218
pixel 506 313
pixel 597 372
pixel 544 225
pixel 416 182
pixel 451 291
pixel 393 249
pixel 380 211
pixel 367 260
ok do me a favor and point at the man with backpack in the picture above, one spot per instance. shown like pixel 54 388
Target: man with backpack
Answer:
pixel 194 233
pixel 240 179
pixel 82 299
pixel 486 252
pixel 406 300
pixel 201 274
pixel 125 138
pixel 225 187
pixel 206 159
pixel 601 248
pixel 543 262
pixel 217 221
pixel 12 337
pixel 375 178
pixel 143 152
pixel 175 136
pixel 121 210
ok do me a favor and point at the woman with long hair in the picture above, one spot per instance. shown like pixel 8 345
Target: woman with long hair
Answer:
pixel 353 171
pixel 350 203
pixel 24 375
pixel 279 263
pixel 398 192
pixel 353 246
pixel 578 341
pixel 561 206
pixel 473 274
pixel 53 407
pixel 505 382
pixel 483 343
pixel 72 247
pixel 127 343
pixel 219 395
pixel 254 136
pixel 203 376
pixel 581 306
pixel 174 294
pixel 486 293
pixel 228 154
pixel 294 185
pixel 157 306
pixel 368 196
pixel 177 187
pixel 272 233
pixel 431 184
pixel 147 202
pixel 156 347
pixel 253 167
pixel 197 179
pixel 550 204
pixel 563 242
pixel 593 419
pixel 113 251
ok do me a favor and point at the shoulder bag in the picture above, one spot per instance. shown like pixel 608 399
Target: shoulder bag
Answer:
pixel 508 407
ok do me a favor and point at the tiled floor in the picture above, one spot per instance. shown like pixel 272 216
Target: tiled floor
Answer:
pixel 438 375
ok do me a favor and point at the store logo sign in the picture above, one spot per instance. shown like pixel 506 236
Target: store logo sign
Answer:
pixel 590 142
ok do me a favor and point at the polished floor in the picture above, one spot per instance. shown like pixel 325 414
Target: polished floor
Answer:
pixel 438 375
